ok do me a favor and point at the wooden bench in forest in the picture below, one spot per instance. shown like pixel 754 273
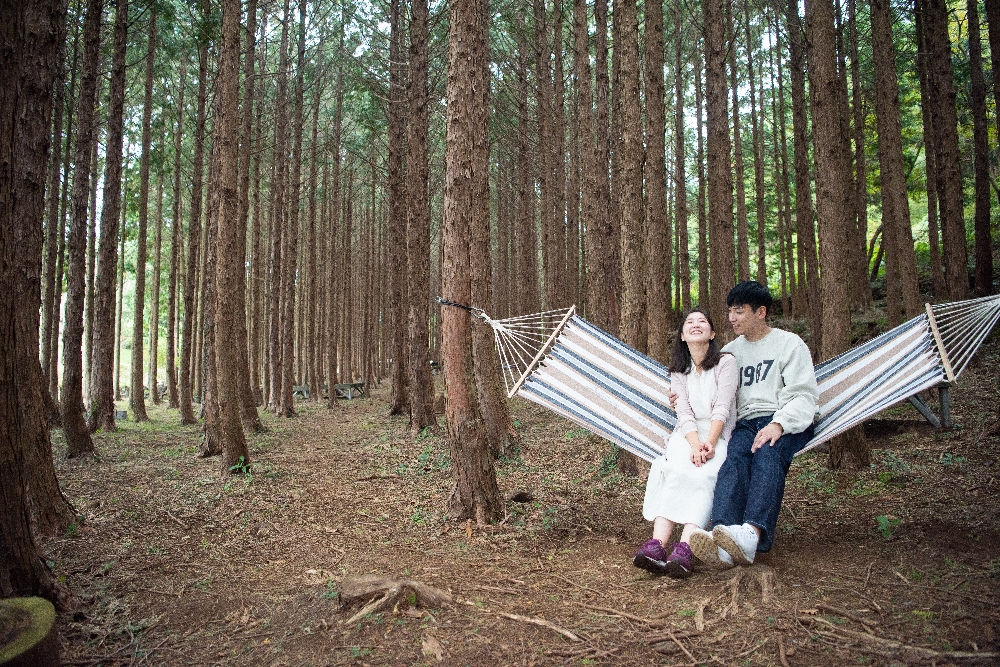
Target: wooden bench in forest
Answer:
pixel 347 390
pixel 300 391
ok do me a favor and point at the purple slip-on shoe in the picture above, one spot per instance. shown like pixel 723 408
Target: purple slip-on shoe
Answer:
pixel 678 564
pixel 651 556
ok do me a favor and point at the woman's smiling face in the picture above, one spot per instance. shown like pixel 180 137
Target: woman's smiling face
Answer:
pixel 697 329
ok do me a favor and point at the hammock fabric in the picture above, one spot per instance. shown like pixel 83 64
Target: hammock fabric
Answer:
pixel 564 363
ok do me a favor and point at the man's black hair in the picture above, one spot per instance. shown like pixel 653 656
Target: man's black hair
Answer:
pixel 750 293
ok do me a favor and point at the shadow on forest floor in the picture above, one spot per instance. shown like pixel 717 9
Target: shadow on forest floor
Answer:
pixel 175 564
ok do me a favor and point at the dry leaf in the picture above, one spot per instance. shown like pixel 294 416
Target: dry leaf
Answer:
pixel 811 612
pixel 431 647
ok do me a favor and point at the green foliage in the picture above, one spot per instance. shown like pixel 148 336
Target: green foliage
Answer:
pixel 886 525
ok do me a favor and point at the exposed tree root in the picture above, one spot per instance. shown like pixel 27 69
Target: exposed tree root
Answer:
pixel 381 593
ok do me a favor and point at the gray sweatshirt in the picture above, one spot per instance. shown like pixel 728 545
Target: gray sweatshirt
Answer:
pixel 776 376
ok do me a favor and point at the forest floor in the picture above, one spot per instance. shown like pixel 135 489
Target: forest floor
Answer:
pixel 173 563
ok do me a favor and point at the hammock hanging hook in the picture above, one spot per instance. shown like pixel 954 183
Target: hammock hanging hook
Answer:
pixel 478 312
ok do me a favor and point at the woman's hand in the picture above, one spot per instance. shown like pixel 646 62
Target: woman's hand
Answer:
pixel 708 451
pixel 698 455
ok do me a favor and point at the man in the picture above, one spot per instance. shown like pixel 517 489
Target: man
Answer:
pixel 776 404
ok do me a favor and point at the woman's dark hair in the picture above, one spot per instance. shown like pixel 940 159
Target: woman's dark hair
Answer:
pixel 680 358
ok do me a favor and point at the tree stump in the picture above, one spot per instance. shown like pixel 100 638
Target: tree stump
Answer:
pixel 27 633
pixel 382 593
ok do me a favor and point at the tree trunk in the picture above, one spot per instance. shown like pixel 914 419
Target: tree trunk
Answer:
pixel 543 152
pixel 760 212
pixel 807 269
pixel 993 28
pixel 703 250
pixel 230 263
pixel 30 34
pixel 418 224
pixel 102 397
pixel 632 237
pixel 604 272
pixel 527 254
pixel 88 357
pixel 930 156
pixel 289 251
pixel 739 176
pixel 720 177
pixel 278 212
pixel 658 235
pixel 315 356
pixel 154 292
pixel 53 222
pixel 860 298
pixel 945 138
pixel 475 495
pixel 188 336
pixel 175 250
pixel 398 288
pixel 78 441
pixel 981 154
pixel 895 204
pixel 212 444
pixel 680 171
pixel 333 270
pixel 833 205
pixel 22 193
pixel 136 399
pixel 561 293
pixel 247 390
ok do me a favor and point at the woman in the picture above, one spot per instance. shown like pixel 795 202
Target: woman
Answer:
pixel 682 482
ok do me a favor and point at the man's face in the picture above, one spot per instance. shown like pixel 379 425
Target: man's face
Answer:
pixel 746 321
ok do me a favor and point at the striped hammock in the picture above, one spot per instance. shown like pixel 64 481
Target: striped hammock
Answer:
pixel 564 363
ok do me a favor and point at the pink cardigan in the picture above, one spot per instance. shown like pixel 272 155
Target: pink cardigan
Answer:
pixel 725 379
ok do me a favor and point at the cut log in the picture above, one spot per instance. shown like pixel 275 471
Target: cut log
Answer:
pixel 27 633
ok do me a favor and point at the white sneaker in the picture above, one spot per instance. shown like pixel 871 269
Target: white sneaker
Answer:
pixel 740 542
pixel 706 550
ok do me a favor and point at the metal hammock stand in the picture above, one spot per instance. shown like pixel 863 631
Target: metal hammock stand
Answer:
pixel 562 362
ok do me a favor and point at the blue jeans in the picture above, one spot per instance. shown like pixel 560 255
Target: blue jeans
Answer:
pixel 750 486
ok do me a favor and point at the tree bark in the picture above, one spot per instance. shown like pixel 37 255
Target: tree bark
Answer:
pixel 278 216
pixel 333 285
pixel 860 298
pixel 23 193
pixel 658 235
pixel 680 169
pixel 418 223
pixel 605 272
pixel 703 250
pixel 945 138
pixel 720 177
pixel 981 154
pixel 30 34
pixel 154 292
pixel 230 263
pixel 136 399
pixel 78 441
pixel 102 396
pixel 739 175
pixel 246 388
pixel 189 333
pixel 632 250
pixel 289 251
pixel 475 494
pixel 807 269
pixel 930 155
pixel 175 249
pixel 833 205
pixel 398 288
pixel 760 212
pixel 895 204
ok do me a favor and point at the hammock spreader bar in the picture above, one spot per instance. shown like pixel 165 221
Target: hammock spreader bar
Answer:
pixel 564 363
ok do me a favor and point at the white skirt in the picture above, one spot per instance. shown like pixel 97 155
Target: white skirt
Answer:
pixel 678 489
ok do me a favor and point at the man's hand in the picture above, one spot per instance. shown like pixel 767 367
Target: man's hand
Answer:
pixel 708 451
pixel 672 397
pixel 768 434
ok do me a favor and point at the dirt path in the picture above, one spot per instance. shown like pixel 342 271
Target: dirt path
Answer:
pixel 175 564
